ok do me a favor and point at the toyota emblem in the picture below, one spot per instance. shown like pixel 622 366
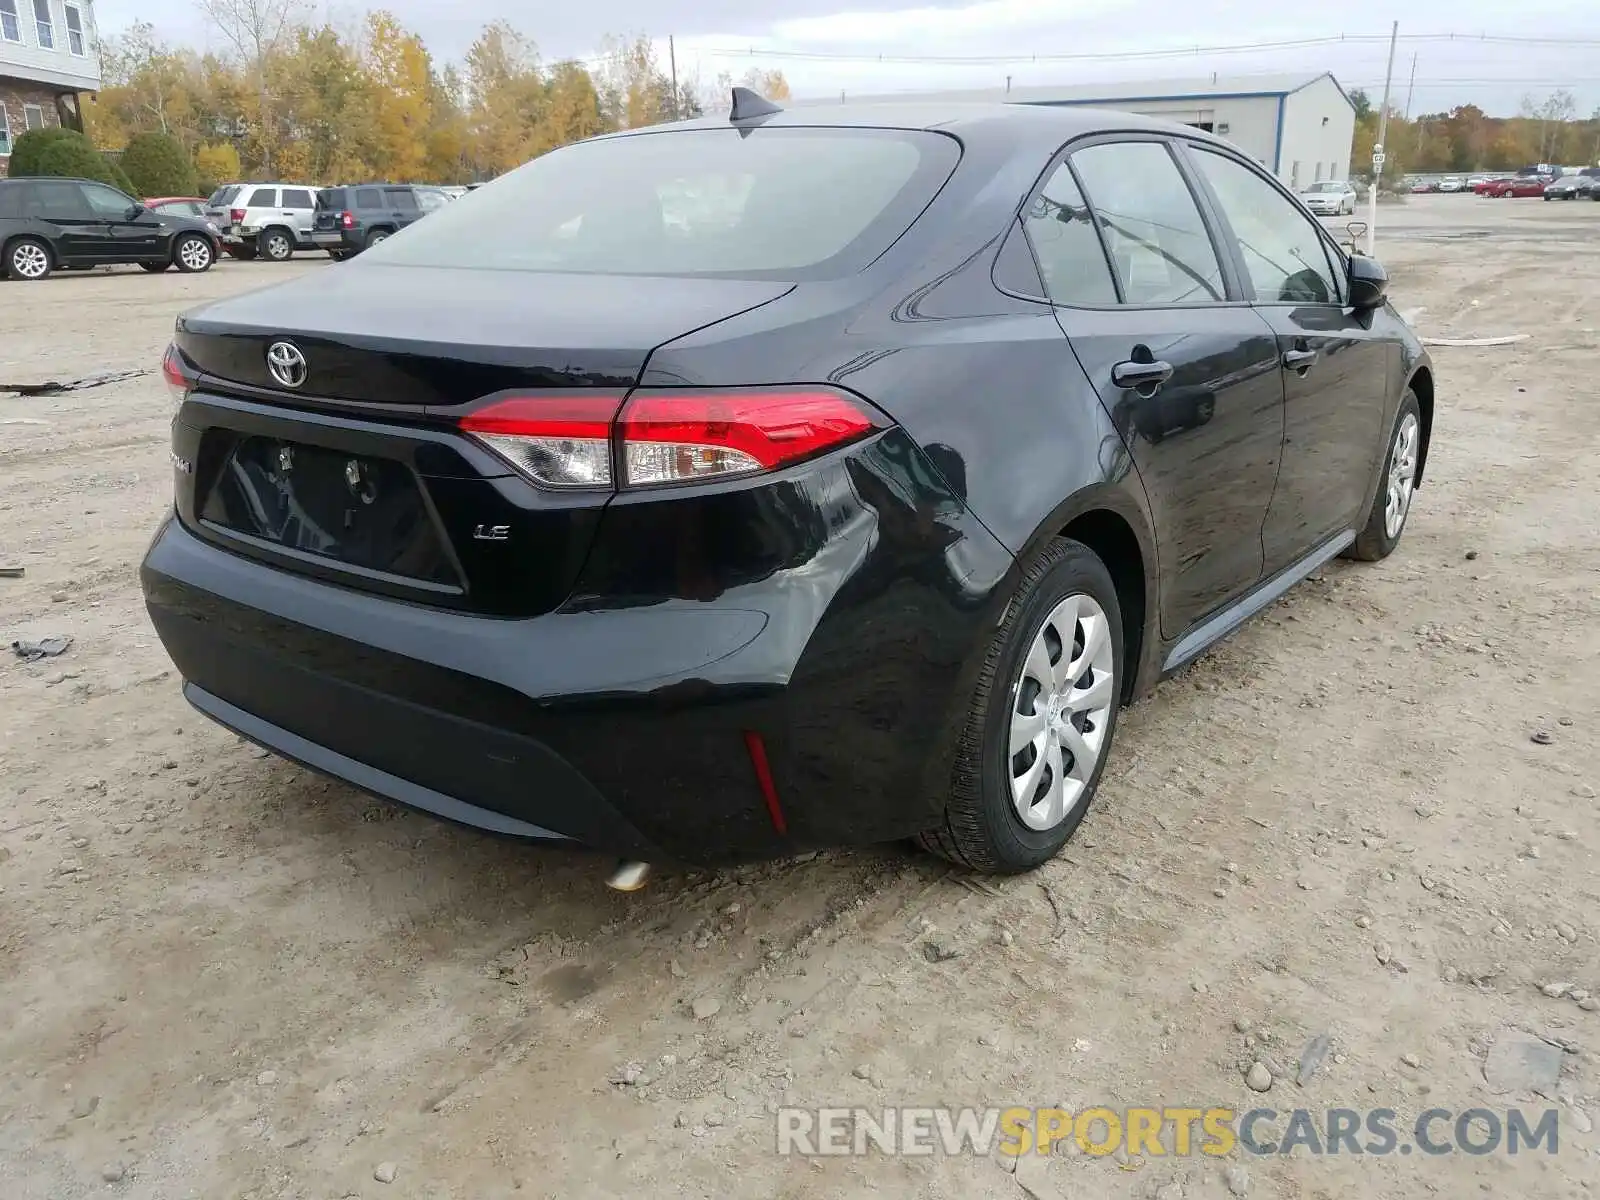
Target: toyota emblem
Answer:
pixel 286 364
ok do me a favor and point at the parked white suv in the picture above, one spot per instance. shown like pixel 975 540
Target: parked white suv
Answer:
pixel 1330 198
pixel 271 220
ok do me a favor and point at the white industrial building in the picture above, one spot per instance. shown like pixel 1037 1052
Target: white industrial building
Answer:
pixel 1300 127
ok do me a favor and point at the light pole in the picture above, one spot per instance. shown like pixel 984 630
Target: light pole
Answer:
pixel 1378 155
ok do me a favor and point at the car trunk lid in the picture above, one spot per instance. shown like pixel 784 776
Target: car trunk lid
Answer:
pixel 360 475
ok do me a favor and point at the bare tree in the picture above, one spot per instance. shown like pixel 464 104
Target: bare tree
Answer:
pixel 257 30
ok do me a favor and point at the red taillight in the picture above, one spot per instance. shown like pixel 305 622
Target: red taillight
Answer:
pixel 674 437
pixel 180 382
pixel 564 440
pixel 558 440
pixel 347 219
pixel 236 216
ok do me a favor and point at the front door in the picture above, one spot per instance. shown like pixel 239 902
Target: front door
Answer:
pixel 135 233
pixel 1333 366
pixel 402 202
pixel 1188 373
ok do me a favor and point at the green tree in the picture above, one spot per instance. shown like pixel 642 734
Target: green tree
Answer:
pixel 68 155
pixel 158 165
pixel 1362 103
pixel 29 146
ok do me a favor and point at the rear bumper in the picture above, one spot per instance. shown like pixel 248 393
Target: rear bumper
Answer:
pixel 619 728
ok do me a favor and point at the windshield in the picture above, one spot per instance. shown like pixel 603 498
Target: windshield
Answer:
pixel 783 203
pixel 1330 186
pixel 222 195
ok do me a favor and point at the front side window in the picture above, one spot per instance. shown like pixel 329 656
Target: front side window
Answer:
pixel 10 24
pixel 1284 253
pixel 1071 258
pixel 75 30
pixel 773 203
pixel 107 202
pixel 41 21
pixel 1159 246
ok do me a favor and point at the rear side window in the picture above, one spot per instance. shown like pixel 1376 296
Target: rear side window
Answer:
pixel 400 199
pixel 296 198
pixel 1071 258
pixel 1158 242
pixel 779 203
pixel 331 199
pixel 11 200
pixel 263 198
pixel 368 198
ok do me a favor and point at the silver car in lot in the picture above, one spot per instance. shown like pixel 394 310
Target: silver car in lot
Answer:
pixel 1329 198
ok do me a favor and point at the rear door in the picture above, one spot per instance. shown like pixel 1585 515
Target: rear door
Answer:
pixel 1187 371
pixel 402 205
pixel 80 234
pixel 1333 364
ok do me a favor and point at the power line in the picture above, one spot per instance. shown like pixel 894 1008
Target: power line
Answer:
pixel 1144 55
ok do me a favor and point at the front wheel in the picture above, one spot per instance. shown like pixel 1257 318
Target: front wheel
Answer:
pixel 155 268
pixel 1041 719
pixel 28 260
pixel 276 245
pixel 1391 504
pixel 193 253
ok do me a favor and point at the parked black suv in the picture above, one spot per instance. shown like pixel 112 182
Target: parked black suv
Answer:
pixel 51 223
pixel 351 218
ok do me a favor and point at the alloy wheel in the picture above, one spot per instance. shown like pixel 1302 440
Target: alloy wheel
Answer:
pixel 1060 712
pixel 1402 475
pixel 30 260
pixel 194 254
pixel 278 247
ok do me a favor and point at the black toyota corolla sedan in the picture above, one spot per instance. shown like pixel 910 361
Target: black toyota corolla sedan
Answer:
pixel 719 490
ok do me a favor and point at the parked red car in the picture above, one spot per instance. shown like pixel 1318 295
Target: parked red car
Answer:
pixel 1522 185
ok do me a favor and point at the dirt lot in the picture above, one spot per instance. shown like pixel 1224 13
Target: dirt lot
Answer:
pixel 221 976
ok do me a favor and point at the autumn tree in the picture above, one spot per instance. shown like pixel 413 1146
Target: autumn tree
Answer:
pixel 400 75
pixel 258 31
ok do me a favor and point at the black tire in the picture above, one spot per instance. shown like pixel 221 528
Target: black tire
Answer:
pixel 243 253
pixel 376 236
pixel 1373 542
pixel 187 253
pixel 981 829
pixel 29 260
pixel 340 255
pixel 155 268
pixel 275 244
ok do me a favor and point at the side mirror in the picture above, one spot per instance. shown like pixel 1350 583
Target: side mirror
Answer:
pixel 135 211
pixel 1369 283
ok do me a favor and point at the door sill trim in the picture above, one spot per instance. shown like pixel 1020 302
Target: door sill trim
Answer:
pixel 1214 628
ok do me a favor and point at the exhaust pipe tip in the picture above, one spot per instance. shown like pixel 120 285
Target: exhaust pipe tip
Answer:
pixel 628 876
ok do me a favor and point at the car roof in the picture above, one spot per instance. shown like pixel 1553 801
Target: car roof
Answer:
pixel 1040 127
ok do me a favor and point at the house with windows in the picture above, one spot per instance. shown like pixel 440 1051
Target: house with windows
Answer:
pixel 48 58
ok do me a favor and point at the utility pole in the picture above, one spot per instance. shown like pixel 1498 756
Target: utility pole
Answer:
pixel 1378 153
pixel 1412 86
pixel 672 57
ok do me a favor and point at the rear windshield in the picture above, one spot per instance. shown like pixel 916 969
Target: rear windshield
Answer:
pixel 331 198
pixel 784 203
pixel 222 196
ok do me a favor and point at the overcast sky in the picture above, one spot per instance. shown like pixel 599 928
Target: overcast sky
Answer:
pixel 715 35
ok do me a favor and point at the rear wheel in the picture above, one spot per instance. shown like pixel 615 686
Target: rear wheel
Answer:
pixel 242 253
pixel 1391 504
pixel 155 268
pixel 1042 716
pixel 192 253
pixel 376 236
pixel 277 245
pixel 28 259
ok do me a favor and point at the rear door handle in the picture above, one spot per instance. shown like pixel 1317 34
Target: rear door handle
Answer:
pixel 1141 374
pixel 1299 360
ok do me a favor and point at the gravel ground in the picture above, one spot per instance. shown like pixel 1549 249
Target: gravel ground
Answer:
pixel 1370 816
